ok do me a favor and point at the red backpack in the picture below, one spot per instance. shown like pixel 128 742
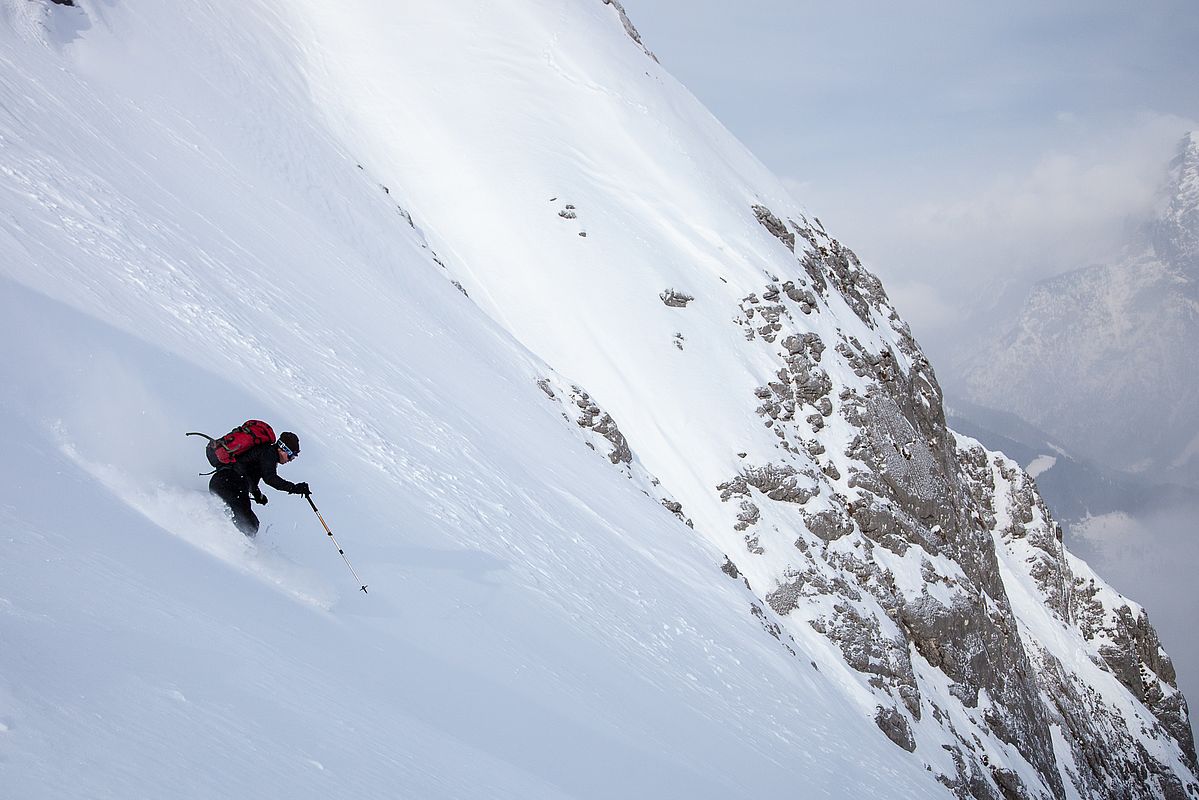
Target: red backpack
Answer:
pixel 223 452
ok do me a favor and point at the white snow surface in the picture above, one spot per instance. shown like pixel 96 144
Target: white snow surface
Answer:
pixel 187 240
pixel 344 218
pixel 1040 465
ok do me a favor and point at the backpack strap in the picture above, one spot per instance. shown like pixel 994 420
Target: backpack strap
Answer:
pixel 210 439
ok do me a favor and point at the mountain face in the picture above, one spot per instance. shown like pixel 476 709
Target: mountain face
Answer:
pixel 1103 357
pixel 652 485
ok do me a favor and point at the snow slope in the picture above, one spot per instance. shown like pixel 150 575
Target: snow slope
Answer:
pixel 485 125
pixel 186 243
pixel 365 222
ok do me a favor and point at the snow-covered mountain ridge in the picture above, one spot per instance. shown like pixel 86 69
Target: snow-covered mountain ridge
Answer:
pixel 369 221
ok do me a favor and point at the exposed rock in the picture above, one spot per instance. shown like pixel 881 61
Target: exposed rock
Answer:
pixel 804 297
pixel 869 488
pixel 1130 648
pixel 786 598
pixel 628 27
pixel 1109 761
pixel 730 569
pixel 771 627
pixel 775 225
pixel 916 496
pixel 830 524
pixel 891 722
pixel 675 299
pixel 591 416
pixel 749 515
pixel 676 508
pixel 737 487
pixel 782 483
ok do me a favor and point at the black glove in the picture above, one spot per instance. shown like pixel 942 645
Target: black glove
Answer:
pixel 259 498
pixel 302 488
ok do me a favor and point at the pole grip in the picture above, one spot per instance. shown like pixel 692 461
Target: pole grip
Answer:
pixel 324 524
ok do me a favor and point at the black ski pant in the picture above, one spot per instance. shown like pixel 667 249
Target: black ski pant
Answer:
pixel 234 489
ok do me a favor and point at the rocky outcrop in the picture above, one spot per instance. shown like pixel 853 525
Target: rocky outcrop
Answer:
pixel 675 299
pixel 1116 634
pixel 601 433
pixel 892 534
pixel 895 725
pixel 629 28
pixel 776 227
pixel 1130 649
pixel 930 564
pixel 592 417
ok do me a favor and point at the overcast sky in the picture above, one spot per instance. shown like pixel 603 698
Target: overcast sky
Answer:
pixel 959 148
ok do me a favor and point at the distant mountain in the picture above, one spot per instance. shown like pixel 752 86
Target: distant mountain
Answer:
pixel 1106 358
pixel 1073 488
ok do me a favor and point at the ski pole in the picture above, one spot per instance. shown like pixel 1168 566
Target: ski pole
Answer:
pixel 362 585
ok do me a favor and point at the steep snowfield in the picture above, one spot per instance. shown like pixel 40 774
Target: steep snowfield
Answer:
pixel 568 182
pixel 438 240
pixel 555 106
pixel 187 241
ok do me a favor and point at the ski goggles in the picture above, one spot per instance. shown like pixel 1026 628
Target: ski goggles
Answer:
pixel 291 456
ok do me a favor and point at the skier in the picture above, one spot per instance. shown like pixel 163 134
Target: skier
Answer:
pixel 238 482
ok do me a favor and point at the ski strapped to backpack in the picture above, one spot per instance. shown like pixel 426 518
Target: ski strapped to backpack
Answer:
pixel 223 452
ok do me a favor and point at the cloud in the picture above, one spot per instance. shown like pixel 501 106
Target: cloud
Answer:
pixel 1068 206
pixel 950 245
pixel 928 303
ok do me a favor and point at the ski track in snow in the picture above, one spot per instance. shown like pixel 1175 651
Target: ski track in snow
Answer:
pixel 202 521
